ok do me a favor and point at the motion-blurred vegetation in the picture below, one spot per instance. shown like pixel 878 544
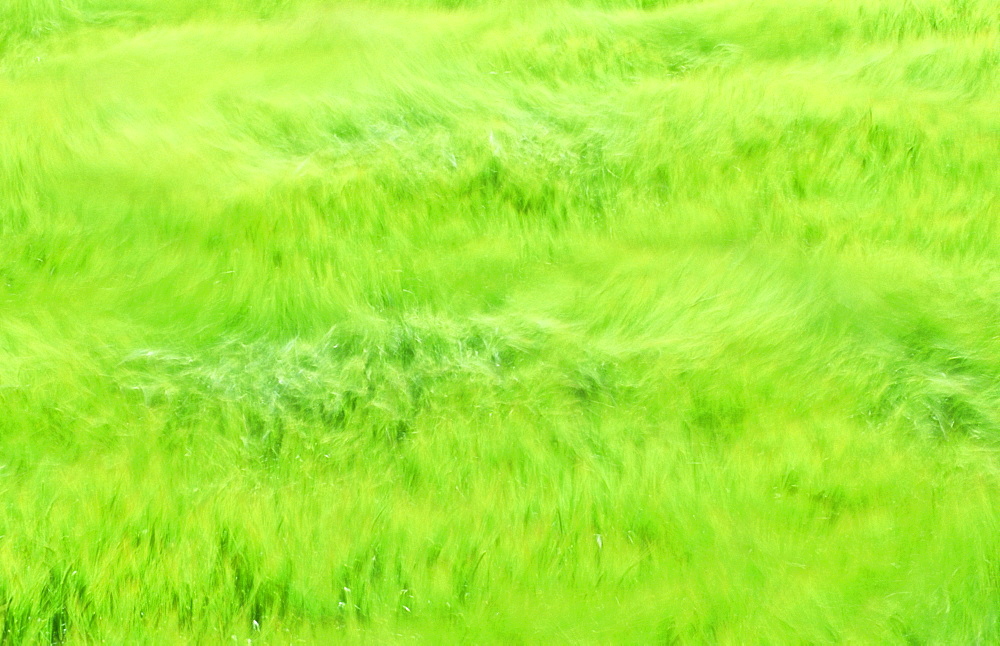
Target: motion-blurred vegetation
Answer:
pixel 610 321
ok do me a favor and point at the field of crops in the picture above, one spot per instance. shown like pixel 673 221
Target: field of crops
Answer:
pixel 519 322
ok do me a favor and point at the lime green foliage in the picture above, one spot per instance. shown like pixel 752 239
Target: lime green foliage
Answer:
pixel 610 321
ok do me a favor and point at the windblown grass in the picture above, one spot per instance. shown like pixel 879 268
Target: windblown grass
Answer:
pixel 591 322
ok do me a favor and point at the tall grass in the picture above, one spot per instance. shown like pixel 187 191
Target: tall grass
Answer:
pixel 598 321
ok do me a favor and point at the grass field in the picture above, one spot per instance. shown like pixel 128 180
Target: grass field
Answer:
pixel 458 321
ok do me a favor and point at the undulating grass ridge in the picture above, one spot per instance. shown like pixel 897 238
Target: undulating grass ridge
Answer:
pixel 577 321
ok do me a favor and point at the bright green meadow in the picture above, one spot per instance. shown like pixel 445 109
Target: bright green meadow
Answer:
pixel 509 322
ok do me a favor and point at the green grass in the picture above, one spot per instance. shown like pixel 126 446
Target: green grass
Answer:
pixel 610 321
